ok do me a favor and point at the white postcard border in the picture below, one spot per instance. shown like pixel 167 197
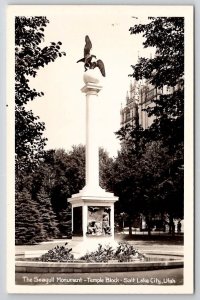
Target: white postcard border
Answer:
pixel 187 288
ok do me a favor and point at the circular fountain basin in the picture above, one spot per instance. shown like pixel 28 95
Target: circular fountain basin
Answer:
pixel 152 261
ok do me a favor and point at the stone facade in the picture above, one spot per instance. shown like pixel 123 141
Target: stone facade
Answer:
pixel 139 97
pixel 129 114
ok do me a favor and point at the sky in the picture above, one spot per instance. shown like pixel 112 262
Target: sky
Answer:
pixel 62 107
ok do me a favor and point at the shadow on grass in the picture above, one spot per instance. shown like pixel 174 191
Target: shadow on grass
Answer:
pixel 151 239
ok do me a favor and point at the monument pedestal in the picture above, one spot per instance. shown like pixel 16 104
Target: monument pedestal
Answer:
pixel 92 220
pixel 93 215
pixel 92 207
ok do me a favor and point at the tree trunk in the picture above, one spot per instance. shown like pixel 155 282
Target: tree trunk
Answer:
pixel 130 227
pixel 171 226
pixel 130 230
pixel 149 225
pixel 149 229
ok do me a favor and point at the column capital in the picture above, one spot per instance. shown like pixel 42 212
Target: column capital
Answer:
pixel 91 88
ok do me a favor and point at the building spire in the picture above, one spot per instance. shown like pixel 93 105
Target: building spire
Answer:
pixel 130 85
pixel 127 97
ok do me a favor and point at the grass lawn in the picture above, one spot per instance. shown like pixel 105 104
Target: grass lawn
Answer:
pixel 144 243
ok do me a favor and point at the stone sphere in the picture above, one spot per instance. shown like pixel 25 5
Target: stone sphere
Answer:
pixel 92 76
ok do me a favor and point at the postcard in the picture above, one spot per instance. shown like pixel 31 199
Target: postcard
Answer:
pixel 100 149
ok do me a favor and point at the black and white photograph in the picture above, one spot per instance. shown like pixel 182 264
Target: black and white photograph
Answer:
pixel 100 149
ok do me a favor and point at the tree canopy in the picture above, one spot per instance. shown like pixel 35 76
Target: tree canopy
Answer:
pixel 31 54
pixel 166 34
pixel 58 175
pixel 166 69
pixel 35 219
pixel 149 169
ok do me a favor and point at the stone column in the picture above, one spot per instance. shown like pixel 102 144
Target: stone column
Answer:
pixel 92 194
pixel 92 146
pixel 85 217
pixel 72 219
pixel 112 223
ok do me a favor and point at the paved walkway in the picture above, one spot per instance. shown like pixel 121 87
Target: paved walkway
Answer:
pixel 158 246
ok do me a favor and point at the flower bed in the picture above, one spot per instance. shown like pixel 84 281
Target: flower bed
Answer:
pixel 122 253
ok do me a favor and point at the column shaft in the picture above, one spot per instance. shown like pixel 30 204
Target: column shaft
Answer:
pixel 112 224
pixel 85 220
pixel 92 146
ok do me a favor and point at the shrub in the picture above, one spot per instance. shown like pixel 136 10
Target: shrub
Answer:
pixel 102 254
pixel 126 252
pixel 123 253
pixel 58 254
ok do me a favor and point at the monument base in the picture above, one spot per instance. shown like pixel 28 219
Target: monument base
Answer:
pixel 82 246
pixel 94 192
pixel 92 217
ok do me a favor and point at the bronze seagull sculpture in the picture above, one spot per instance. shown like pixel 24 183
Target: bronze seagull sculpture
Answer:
pixel 88 58
pixel 99 64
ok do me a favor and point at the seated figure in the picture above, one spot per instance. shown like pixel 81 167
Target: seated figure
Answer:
pixel 91 229
pixel 105 223
pixel 98 228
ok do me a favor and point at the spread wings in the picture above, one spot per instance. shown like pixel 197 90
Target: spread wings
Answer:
pixel 87 59
pixel 88 46
pixel 101 67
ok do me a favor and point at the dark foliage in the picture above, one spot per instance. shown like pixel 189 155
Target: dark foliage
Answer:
pixel 167 35
pixel 166 69
pixel 29 227
pixel 58 254
pixel 48 217
pixel 30 56
pixel 35 220
pixel 149 169
pixel 123 253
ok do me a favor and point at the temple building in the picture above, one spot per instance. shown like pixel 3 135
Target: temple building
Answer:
pixel 147 94
pixel 129 114
pixel 139 97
